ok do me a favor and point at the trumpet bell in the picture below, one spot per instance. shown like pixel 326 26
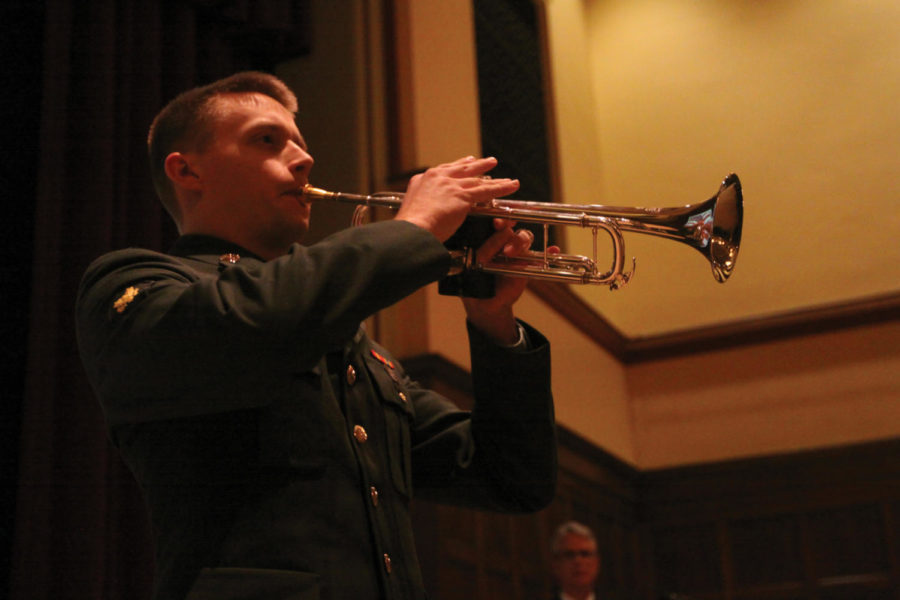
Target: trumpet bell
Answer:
pixel 712 227
pixel 728 218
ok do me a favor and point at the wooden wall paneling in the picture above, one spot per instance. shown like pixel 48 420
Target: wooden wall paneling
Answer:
pixel 811 525
pixel 598 490
pixel 687 559
pixel 457 580
pixel 498 572
pixel 530 537
pixel 767 554
pixel 508 556
pixel 820 525
pixel 726 561
pixel 849 541
pixel 892 519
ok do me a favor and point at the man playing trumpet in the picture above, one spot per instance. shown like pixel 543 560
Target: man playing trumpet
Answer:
pixel 277 445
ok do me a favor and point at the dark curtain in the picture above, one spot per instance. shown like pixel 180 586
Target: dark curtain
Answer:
pixel 511 97
pixel 88 77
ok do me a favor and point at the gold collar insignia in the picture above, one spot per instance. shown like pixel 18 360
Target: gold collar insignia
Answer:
pixel 125 299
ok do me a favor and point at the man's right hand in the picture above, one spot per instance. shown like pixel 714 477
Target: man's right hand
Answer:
pixel 440 198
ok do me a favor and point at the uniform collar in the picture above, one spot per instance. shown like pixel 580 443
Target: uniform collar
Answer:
pixel 194 244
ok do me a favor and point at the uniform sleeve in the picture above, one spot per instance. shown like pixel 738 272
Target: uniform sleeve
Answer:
pixel 154 330
pixel 502 455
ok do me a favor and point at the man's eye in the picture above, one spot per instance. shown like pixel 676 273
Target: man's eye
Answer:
pixel 267 139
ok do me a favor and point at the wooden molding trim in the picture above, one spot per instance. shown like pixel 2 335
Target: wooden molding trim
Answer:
pixel 431 368
pixel 582 315
pixel 820 319
pixel 860 462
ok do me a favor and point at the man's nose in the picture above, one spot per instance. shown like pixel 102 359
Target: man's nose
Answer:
pixel 300 159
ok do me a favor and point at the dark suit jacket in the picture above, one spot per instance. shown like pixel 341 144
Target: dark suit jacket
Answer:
pixel 276 444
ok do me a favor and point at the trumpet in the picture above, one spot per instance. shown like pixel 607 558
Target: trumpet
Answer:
pixel 712 227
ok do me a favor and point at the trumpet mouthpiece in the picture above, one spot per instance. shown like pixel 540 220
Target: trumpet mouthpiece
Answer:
pixel 314 193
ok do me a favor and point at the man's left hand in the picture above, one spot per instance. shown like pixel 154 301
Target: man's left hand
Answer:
pixel 494 316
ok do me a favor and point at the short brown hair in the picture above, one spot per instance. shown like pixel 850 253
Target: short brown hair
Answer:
pixel 184 123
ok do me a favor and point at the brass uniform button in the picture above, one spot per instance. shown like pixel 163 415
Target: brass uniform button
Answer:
pixel 403 397
pixel 387 564
pixel 351 374
pixel 374 494
pixel 359 432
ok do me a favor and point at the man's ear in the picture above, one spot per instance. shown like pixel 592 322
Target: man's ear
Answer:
pixel 179 168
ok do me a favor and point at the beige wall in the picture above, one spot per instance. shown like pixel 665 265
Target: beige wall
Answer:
pixel 334 113
pixel 442 75
pixel 796 394
pixel 804 393
pixel 798 97
pixel 589 385
pixel 809 392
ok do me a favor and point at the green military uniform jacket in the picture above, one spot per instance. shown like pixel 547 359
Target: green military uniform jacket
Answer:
pixel 276 444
